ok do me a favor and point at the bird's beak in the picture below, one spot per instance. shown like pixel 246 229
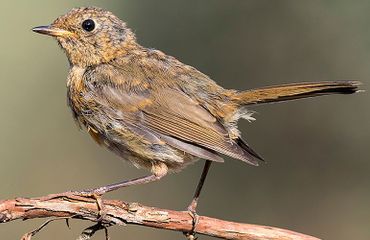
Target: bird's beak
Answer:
pixel 52 31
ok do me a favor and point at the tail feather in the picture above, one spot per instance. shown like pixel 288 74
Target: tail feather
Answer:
pixel 295 91
pixel 244 145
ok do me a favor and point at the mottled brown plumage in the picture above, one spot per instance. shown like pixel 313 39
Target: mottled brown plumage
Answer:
pixel 150 108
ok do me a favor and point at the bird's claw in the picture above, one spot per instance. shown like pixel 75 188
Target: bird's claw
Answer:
pixel 191 234
pixel 97 196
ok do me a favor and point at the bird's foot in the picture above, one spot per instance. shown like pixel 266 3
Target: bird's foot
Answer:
pixel 95 194
pixel 192 212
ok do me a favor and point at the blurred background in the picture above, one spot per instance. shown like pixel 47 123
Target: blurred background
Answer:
pixel 316 179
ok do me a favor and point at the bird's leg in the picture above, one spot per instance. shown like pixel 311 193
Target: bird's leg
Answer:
pixel 158 170
pixel 96 193
pixel 112 187
pixel 193 205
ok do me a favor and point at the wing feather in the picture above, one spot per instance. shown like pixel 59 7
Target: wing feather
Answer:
pixel 201 129
pixel 173 117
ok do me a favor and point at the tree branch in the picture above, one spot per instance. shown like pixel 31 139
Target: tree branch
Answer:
pixel 72 205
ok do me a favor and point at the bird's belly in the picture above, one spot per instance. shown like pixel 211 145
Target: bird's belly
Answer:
pixel 137 149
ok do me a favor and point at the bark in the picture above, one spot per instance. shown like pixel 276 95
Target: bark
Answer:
pixel 114 212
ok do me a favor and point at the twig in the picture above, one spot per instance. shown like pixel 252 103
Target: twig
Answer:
pixel 71 205
pixel 28 235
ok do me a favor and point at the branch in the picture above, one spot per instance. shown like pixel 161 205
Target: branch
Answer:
pixel 71 205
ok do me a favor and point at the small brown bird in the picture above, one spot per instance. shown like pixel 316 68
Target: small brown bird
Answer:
pixel 151 109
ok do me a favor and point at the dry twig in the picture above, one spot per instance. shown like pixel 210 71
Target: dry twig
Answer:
pixel 71 205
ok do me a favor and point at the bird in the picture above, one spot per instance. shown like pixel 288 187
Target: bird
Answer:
pixel 153 110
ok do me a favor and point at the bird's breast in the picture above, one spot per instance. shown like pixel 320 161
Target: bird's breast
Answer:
pixel 75 94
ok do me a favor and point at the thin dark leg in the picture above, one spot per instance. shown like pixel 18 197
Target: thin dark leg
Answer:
pixel 115 186
pixel 193 205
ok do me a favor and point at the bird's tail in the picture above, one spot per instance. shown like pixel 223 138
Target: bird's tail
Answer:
pixel 294 91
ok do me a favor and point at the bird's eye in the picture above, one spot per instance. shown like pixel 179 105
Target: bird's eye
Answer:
pixel 88 25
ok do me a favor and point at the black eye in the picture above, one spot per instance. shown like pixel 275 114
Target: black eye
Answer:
pixel 88 25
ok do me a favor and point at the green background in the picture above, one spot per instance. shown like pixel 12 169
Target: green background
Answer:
pixel 316 179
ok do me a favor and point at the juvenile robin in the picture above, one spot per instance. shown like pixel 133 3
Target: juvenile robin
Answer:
pixel 151 109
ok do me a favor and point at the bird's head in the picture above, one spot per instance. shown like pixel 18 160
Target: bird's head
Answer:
pixel 90 35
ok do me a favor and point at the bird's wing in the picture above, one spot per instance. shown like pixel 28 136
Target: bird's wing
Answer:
pixel 178 120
